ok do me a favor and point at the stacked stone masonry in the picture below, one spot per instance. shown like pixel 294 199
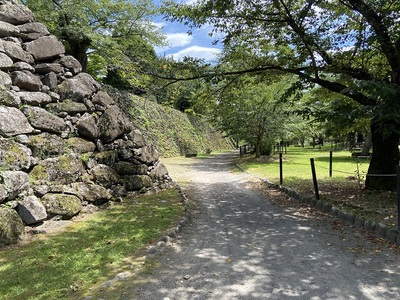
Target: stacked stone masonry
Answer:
pixel 64 143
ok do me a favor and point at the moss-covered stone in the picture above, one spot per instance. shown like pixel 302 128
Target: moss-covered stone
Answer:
pixel 79 145
pixel 63 205
pixel 108 157
pixel 69 106
pixel 64 169
pixel 45 144
pixel 14 156
pixel 136 182
pixel 105 176
pixel 11 226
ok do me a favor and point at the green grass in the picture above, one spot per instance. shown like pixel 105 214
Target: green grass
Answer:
pixel 66 265
pixel 296 165
pixel 345 189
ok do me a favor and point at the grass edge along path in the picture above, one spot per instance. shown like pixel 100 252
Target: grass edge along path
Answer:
pixel 344 190
pixel 69 264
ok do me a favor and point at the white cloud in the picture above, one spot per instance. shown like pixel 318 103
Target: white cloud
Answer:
pixel 178 39
pixel 207 53
pixel 159 24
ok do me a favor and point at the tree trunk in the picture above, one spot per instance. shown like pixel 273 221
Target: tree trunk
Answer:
pixel 78 45
pixel 384 161
pixel 367 145
pixel 257 148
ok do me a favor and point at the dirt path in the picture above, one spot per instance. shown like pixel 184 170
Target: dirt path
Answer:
pixel 240 246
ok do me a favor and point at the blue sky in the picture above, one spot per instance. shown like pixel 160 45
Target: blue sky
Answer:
pixel 180 44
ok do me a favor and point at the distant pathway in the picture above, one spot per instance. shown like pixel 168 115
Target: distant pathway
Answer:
pixel 240 246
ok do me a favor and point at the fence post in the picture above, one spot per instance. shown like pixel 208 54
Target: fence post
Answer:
pixel 398 197
pixel 280 169
pixel 330 163
pixel 314 175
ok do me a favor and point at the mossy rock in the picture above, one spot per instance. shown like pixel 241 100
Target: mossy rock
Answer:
pixel 46 144
pixel 64 169
pixel 63 205
pixel 107 157
pixel 104 176
pixel 14 156
pixel 11 226
pixel 136 182
pixel 79 145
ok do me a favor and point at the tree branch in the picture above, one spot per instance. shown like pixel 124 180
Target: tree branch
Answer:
pixel 379 28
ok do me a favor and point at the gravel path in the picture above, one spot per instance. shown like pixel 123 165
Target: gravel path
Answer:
pixel 241 246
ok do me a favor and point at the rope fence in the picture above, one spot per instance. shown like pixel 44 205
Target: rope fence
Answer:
pixel 357 172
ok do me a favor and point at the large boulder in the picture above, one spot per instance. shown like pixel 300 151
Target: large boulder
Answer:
pixel 63 205
pixel 79 87
pixel 44 68
pixel 11 226
pixel 14 156
pixel 68 106
pixel 87 127
pixel 113 124
pixel 25 80
pixel 148 155
pixel 45 47
pixel 46 144
pixel 71 63
pixel 138 139
pixel 127 168
pixel 104 175
pixel 159 172
pixel 5 81
pixel 136 182
pixel 7 29
pixel 50 80
pixel 9 98
pixel 107 157
pixel 79 145
pixel 34 98
pixel 103 99
pixel 41 119
pixel 16 14
pixel 64 169
pixel 22 66
pixel 13 122
pixel 91 193
pixel 13 183
pixel 5 61
pixel 32 30
pixel 31 210
pixel 15 51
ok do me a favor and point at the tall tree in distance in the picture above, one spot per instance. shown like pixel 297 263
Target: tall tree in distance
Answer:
pixel 248 109
pixel 349 47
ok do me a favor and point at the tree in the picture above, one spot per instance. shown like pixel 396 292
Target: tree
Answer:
pixel 248 110
pixel 349 47
pixel 337 114
pixel 104 35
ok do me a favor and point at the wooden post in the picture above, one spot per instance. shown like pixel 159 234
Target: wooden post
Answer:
pixel 314 175
pixel 330 163
pixel 398 197
pixel 280 169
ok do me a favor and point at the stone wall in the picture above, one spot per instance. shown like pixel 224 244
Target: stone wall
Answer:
pixel 64 143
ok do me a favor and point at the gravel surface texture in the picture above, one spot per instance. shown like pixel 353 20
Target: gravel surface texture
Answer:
pixel 240 245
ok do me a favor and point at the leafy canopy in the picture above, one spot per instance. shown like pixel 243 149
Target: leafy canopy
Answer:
pixel 336 44
pixel 104 35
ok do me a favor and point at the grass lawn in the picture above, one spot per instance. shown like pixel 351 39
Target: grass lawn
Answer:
pixel 345 189
pixel 65 266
